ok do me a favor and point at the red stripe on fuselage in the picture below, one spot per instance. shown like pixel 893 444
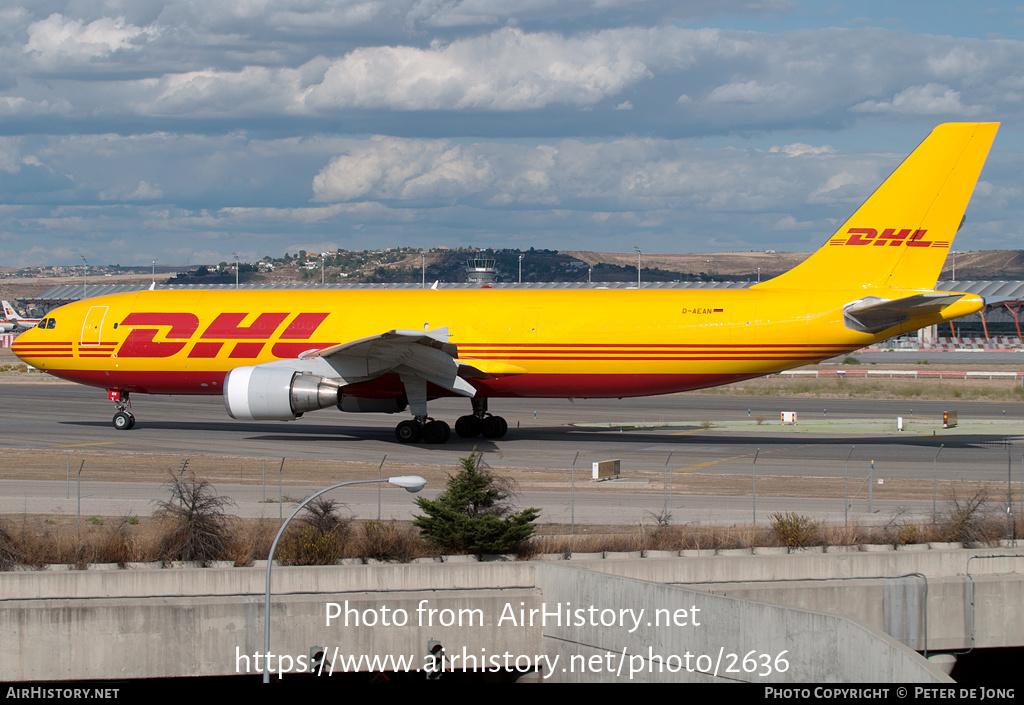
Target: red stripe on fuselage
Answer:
pixel 533 385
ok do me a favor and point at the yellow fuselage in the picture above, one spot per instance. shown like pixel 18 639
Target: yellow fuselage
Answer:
pixel 531 343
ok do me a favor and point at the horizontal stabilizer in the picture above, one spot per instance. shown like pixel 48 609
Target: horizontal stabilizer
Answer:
pixel 872 314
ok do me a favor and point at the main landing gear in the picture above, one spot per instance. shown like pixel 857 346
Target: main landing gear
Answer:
pixel 479 423
pixel 426 430
pixel 124 420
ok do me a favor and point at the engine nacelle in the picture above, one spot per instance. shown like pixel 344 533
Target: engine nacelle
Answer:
pixel 257 393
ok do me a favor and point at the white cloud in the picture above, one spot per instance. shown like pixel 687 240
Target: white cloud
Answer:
pixel 631 173
pixel 798 149
pixel 505 70
pixel 58 39
pixel 929 99
pixel 752 92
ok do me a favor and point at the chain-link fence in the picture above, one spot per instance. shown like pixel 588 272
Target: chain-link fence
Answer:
pixel 829 483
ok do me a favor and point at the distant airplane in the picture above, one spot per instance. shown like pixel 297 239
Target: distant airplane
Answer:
pixel 14 321
pixel 275 355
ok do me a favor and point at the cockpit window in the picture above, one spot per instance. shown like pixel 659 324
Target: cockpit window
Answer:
pixel 42 323
pixel 51 323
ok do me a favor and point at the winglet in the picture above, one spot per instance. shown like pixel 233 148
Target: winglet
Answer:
pixel 900 237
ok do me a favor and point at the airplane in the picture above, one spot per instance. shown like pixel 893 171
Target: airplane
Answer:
pixel 14 321
pixel 277 355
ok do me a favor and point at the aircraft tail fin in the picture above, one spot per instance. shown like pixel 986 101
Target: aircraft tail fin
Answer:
pixel 900 236
pixel 9 313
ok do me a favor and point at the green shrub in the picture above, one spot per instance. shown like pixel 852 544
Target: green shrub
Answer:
pixel 474 515
pixel 794 530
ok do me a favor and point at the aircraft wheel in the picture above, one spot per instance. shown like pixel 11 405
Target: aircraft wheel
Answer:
pixel 467 427
pixel 408 431
pixel 436 432
pixel 123 421
pixel 493 427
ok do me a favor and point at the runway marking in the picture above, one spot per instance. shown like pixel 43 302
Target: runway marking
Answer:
pixel 80 445
pixel 710 463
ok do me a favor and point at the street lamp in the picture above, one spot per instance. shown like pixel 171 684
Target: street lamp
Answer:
pixel 85 277
pixel 637 266
pixel 411 483
pixel 154 273
pixel 520 269
pixel 323 265
pixel 236 268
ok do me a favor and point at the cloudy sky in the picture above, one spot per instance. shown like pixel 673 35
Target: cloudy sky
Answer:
pixel 185 130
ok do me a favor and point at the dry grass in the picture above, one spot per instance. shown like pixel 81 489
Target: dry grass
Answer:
pixel 33 541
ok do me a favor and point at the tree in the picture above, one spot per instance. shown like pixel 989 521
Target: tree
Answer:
pixel 473 514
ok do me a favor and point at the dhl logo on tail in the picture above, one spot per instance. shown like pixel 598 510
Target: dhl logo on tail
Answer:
pixel 890 236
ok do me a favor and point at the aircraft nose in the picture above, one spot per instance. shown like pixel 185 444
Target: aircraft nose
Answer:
pixel 34 347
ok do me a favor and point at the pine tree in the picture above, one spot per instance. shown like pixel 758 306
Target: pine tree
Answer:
pixel 473 514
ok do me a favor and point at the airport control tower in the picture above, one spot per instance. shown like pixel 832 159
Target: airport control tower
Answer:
pixel 480 271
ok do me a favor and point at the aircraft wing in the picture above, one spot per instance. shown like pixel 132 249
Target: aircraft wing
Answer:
pixel 872 314
pixel 426 355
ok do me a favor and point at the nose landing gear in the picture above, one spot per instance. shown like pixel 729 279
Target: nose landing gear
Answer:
pixel 123 420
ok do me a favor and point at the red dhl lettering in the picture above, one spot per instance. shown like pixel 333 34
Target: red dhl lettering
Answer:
pixel 889 236
pixel 227 327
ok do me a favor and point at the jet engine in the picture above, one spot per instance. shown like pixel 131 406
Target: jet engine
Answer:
pixel 258 393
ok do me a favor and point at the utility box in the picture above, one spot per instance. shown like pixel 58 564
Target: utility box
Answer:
pixel 788 417
pixel 949 419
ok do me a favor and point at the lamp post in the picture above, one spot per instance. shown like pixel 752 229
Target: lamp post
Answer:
pixel 520 269
pixel 637 266
pixel 85 277
pixel 154 273
pixel 236 268
pixel 411 483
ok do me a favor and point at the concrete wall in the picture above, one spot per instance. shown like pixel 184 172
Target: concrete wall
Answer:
pixel 164 623
pixel 727 639
pixel 931 611
pixel 153 622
